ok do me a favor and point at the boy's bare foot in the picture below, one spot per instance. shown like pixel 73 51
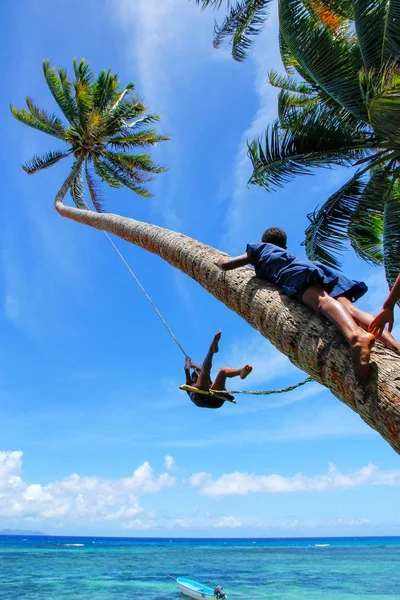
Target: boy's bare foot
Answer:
pixel 214 344
pixel 361 350
pixel 245 371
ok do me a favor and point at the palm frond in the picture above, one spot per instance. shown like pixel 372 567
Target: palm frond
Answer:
pixel 245 20
pixel 313 139
pixel 384 110
pixel 326 236
pixel 391 233
pixel 369 18
pixel 29 119
pixel 69 97
pixel 123 116
pixel 124 177
pixel 290 83
pixel 38 163
pixel 214 3
pixel 106 174
pixel 135 165
pixel 57 89
pixel 365 229
pixel 93 189
pixel 391 39
pixel 128 139
pixel 329 58
pixel 49 120
pixel 106 91
pixel 76 189
pixel 83 72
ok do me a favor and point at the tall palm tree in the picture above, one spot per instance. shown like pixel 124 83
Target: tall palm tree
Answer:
pixel 105 123
pixel 343 110
pixel 317 349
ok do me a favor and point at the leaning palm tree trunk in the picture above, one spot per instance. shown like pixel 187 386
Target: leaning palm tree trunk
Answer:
pixel 310 342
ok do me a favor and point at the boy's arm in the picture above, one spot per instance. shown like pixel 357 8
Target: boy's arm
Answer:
pixel 227 264
pixel 386 315
pixel 188 362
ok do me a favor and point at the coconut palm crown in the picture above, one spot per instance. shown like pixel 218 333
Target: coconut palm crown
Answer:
pixel 105 123
pixel 343 108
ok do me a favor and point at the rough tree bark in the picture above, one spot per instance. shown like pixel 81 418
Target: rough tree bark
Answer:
pixel 310 342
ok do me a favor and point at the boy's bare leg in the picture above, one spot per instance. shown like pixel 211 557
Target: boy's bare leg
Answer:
pixel 204 380
pixel 364 319
pixel 225 372
pixel 360 341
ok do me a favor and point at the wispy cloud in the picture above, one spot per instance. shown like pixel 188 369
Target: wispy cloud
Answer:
pixel 240 484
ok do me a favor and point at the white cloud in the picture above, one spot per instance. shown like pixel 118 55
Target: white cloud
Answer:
pixel 74 498
pixel 169 462
pixel 240 484
pixel 230 522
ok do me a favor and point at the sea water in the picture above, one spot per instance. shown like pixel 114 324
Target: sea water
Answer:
pixel 95 568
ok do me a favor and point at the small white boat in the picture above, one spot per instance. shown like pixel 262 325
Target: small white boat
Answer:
pixel 197 591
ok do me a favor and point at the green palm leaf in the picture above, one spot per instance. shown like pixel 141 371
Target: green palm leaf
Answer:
pixel 146 137
pixel 29 119
pixel 77 191
pixel 370 18
pixel 313 139
pixel 38 163
pixel 290 84
pixel 57 90
pixel 391 42
pixel 326 236
pixel 244 21
pixel 391 233
pixel 329 57
pixel 365 229
pixel 93 189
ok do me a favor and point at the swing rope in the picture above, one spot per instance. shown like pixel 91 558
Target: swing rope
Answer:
pixel 211 392
pixel 146 294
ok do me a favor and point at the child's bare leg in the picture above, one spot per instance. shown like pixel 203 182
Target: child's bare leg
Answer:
pixel 359 340
pixel 204 379
pixel 363 319
pixel 225 372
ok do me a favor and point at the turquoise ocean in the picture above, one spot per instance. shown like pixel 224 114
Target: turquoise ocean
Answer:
pixel 95 568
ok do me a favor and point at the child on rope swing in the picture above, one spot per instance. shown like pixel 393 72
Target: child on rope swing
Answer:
pixel 328 293
pixel 200 378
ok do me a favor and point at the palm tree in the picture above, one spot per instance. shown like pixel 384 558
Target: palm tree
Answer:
pixel 317 349
pixel 105 122
pixel 345 110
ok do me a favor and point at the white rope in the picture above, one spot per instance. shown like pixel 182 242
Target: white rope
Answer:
pixel 145 293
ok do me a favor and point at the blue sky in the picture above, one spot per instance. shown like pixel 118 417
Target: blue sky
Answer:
pixel 95 436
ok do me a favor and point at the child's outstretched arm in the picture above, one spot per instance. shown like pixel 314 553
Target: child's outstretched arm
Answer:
pixel 386 315
pixel 188 364
pixel 227 264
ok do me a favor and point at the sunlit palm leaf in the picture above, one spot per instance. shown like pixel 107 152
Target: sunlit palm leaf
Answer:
pixel 365 229
pixel 146 137
pixel 314 139
pixel 290 83
pixel 57 90
pixel 38 163
pixel 326 236
pixel 27 118
pixel 244 21
pixel 330 59
pixel 391 234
